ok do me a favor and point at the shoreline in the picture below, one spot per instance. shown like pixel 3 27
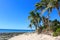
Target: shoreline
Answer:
pixel 34 36
pixel 6 36
pixel 27 36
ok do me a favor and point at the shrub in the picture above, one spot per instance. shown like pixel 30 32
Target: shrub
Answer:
pixel 57 32
pixel 53 28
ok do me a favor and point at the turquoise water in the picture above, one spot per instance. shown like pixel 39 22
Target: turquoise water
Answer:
pixel 15 30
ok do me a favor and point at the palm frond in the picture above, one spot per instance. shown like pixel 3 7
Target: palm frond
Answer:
pixel 30 26
pixel 29 17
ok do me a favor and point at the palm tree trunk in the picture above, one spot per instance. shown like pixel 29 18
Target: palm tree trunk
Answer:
pixel 48 20
pixel 35 26
pixel 43 12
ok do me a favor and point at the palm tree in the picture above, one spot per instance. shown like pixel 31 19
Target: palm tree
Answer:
pixel 45 21
pixel 34 19
pixel 48 5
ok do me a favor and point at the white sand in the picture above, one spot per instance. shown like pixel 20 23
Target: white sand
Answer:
pixel 34 36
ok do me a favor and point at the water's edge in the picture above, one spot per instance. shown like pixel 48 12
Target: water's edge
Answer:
pixel 14 30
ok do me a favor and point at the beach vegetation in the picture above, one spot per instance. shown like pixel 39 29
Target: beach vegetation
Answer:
pixel 36 17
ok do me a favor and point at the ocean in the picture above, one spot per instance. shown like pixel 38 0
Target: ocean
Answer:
pixel 14 30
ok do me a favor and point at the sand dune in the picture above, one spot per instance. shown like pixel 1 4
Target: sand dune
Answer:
pixel 34 36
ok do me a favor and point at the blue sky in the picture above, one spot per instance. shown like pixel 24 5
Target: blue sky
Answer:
pixel 14 13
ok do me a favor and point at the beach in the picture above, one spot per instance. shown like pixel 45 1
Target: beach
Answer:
pixel 27 36
pixel 34 36
pixel 6 36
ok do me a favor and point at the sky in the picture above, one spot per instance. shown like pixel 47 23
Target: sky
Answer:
pixel 14 13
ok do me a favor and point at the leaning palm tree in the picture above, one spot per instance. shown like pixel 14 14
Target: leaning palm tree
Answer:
pixel 48 5
pixel 34 19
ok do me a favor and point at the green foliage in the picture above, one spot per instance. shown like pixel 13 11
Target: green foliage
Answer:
pixel 36 18
pixel 57 33
pixel 43 27
pixel 54 28
pixel 55 25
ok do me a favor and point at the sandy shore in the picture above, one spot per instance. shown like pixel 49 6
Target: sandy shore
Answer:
pixel 34 36
pixel 6 36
